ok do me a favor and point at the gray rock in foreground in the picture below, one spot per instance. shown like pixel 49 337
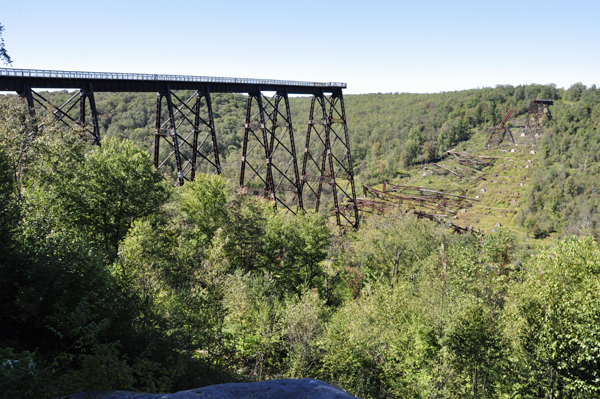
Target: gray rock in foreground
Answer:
pixel 274 389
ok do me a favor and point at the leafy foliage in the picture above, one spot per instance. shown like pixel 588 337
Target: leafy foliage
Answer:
pixel 3 54
pixel 109 279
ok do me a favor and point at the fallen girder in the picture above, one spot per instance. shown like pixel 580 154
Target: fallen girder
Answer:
pixel 422 196
pixel 373 206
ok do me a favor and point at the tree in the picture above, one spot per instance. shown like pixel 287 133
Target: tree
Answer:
pixel 558 308
pixel 475 346
pixel 116 185
pixel 3 54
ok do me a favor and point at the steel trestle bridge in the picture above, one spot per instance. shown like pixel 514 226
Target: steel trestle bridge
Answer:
pixel 323 180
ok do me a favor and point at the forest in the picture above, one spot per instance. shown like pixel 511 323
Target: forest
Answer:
pixel 113 279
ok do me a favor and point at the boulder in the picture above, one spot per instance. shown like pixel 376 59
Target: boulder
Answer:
pixel 273 389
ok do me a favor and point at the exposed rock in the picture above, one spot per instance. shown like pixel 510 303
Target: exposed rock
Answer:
pixel 513 150
pixel 482 190
pixel 498 224
pixel 522 134
pixel 274 389
pixel 532 152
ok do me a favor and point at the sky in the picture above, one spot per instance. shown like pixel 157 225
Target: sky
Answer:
pixel 374 46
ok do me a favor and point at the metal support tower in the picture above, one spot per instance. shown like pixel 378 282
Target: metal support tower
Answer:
pixel 536 112
pixel 269 165
pixel 501 130
pixel 327 159
pixel 67 112
pixel 182 126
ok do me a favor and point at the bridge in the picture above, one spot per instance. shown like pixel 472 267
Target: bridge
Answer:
pixel 185 135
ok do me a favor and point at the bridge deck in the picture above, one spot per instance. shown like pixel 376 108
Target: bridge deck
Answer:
pixel 17 79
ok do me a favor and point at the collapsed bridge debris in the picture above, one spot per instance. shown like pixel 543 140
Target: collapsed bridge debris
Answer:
pixel 499 132
pixel 407 198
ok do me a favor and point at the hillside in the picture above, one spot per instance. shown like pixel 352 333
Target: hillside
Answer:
pixel 394 135
pixel 113 279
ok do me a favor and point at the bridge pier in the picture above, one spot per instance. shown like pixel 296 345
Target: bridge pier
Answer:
pixel 89 95
pixel 327 159
pixel 268 128
pixel 190 120
pixel 25 93
pixel 64 112
pixel 536 112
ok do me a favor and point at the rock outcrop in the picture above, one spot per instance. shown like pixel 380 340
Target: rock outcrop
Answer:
pixel 274 389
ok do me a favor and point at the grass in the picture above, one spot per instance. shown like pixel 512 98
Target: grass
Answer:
pixel 495 191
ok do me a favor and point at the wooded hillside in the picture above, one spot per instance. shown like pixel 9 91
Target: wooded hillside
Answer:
pixel 110 278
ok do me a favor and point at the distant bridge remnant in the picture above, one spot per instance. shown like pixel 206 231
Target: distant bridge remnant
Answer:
pixel 536 112
pixel 185 127
pixel 499 132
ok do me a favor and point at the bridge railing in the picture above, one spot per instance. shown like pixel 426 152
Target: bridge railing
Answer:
pixel 38 73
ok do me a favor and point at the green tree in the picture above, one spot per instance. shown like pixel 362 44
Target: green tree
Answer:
pixel 3 54
pixel 558 313
pixel 475 346
pixel 115 185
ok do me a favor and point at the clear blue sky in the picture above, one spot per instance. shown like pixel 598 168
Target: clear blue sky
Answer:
pixel 374 46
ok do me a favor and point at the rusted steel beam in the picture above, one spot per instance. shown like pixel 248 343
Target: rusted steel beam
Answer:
pixel 446 169
pixel 501 130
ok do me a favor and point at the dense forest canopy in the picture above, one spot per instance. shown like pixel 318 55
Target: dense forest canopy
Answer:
pixel 110 278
